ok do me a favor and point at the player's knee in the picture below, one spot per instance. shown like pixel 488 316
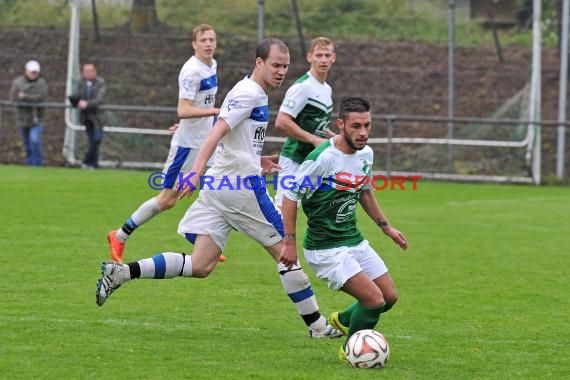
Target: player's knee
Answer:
pixel 391 298
pixel 377 301
pixel 374 299
pixel 202 271
pixel 167 203
pixel 166 199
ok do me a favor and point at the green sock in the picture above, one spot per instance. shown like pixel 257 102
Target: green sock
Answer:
pixel 363 318
pixel 344 315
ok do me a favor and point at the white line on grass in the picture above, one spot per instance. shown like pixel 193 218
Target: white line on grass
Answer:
pixel 178 326
pixel 477 202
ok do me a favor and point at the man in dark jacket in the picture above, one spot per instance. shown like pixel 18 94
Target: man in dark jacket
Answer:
pixel 28 90
pixel 89 96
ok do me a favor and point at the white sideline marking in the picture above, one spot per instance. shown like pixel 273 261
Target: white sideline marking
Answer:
pixel 131 323
pixel 477 202
pixel 187 326
pixel 155 325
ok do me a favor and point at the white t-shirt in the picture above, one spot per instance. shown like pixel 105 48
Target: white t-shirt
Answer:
pixel 197 82
pixel 246 111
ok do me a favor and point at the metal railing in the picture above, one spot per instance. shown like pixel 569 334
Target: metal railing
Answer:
pixel 389 141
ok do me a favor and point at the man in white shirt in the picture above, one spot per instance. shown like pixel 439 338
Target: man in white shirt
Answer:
pixel 243 204
pixel 197 88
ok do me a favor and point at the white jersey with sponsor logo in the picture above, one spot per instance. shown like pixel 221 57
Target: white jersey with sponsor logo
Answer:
pixel 197 82
pixel 246 111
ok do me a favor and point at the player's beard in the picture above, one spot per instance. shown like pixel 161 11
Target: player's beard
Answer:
pixel 350 142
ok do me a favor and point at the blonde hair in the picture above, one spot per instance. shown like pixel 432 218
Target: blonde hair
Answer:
pixel 201 29
pixel 321 42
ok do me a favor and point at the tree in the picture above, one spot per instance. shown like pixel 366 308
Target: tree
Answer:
pixel 143 15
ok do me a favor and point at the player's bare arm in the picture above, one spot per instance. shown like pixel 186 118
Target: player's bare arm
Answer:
pixel 286 124
pixel 187 110
pixel 370 205
pixel 289 248
pixel 220 129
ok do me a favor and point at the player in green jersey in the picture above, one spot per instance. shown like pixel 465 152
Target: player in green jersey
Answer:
pixel 305 114
pixel 333 245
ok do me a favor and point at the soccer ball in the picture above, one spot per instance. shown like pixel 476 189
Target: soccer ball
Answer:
pixel 367 349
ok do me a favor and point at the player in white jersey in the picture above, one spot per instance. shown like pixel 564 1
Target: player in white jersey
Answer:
pixel 333 245
pixel 245 205
pixel 197 88
pixel 239 153
pixel 305 114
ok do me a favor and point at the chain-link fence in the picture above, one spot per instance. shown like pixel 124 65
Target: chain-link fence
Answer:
pixel 398 69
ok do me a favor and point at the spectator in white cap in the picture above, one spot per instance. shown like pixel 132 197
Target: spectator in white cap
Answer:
pixel 28 91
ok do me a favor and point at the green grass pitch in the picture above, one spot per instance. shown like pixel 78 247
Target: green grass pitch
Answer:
pixel 484 288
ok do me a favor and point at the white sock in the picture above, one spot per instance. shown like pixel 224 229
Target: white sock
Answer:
pixel 143 214
pixel 121 235
pixel 320 325
pixel 298 287
pixel 166 265
pixel 124 275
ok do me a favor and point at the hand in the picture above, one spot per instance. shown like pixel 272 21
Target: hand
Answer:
pixel 82 104
pixel 187 184
pixel 185 192
pixel 396 236
pixel 21 94
pixel 172 129
pixel 268 165
pixel 288 254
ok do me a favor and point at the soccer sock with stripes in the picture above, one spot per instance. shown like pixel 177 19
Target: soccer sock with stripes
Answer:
pixel 297 285
pixel 363 318
pixel 161 266
pixel 143 214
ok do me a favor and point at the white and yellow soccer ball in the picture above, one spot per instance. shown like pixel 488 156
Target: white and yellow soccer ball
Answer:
pixel 367 349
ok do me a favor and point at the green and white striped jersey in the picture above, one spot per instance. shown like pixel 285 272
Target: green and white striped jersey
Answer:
pixel 309 102
pixel 329 183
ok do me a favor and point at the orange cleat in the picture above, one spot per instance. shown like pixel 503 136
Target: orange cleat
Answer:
pixel 117 247
pixel 222 258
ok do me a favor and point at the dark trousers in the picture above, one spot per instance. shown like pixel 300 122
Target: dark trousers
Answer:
pixel 94 136
pixel 31 137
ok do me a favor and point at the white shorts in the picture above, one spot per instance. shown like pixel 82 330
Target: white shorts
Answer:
pixel 217 212
pixel 338 265
pixel 287 174
pixel 180 159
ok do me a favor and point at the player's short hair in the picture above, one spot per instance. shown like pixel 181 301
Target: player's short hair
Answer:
pixel 321 42
pixel 264 47
pixel 201 28
pixel 352 104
